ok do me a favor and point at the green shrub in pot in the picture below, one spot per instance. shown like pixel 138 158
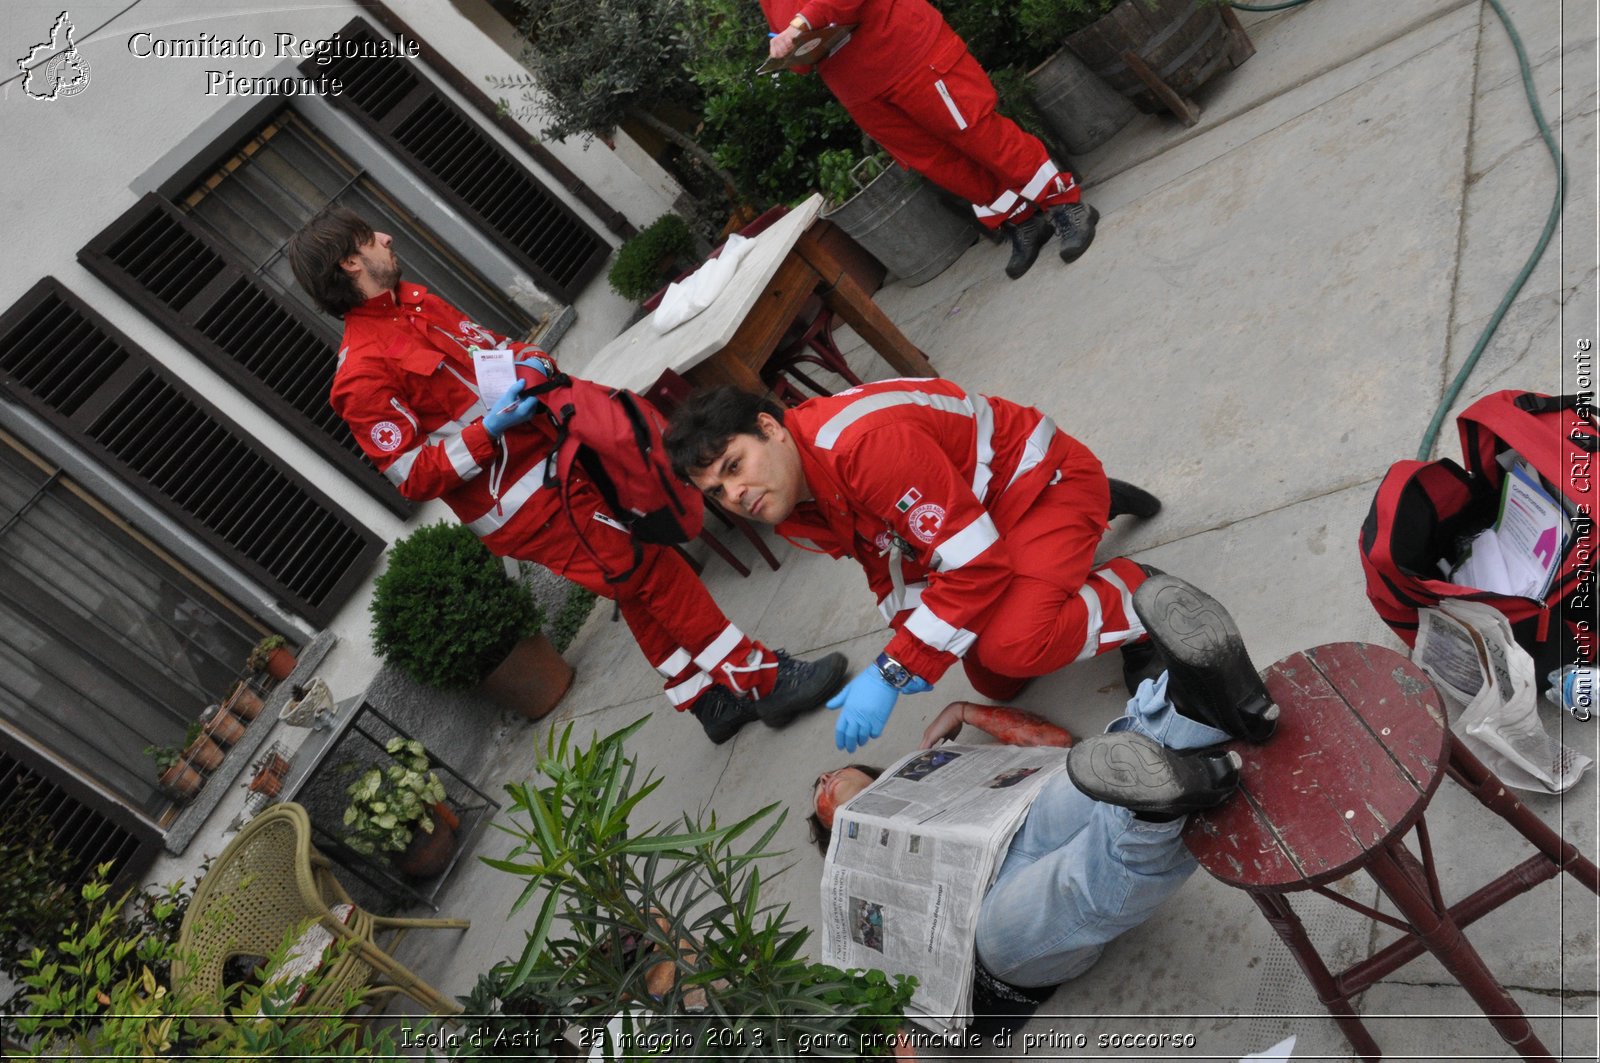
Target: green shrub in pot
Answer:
pixel 637 272
pixel 444 611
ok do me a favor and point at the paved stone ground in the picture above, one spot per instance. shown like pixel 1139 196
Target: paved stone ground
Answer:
pixel 1275 303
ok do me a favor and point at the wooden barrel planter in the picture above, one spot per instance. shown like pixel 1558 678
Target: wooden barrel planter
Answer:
pixel 1156 52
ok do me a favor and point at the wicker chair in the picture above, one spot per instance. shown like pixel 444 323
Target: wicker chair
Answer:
pixel 269 882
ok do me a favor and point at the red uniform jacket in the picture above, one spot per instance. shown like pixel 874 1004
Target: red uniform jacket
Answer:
pixel 406 387
pixel 918 481
pixel 891 39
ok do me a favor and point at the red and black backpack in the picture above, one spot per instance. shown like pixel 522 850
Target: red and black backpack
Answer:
pixel 614 436
pixel 1425 511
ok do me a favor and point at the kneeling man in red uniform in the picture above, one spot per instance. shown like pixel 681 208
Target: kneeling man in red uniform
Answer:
pixel 975 519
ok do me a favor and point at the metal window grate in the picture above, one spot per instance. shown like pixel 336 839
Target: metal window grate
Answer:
pixel 225 314
pixel 468 166
pixel 184 454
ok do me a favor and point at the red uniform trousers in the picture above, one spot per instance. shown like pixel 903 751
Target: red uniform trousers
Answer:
pixel 673 618
pixel 941 121
pixel 1058 608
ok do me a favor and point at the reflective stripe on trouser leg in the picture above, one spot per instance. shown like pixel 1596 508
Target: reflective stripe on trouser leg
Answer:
pixel 1108 600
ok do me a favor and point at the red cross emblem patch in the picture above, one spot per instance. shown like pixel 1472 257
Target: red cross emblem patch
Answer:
pixel 925 521
pixel 386 435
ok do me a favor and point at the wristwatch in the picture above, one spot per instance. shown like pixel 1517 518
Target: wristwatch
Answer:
pixel 894 673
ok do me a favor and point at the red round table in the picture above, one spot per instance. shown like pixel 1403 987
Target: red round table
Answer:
pixel 1362 744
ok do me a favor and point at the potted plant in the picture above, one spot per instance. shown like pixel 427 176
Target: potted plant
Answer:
pixel 272 655
pixel 223 727
pixel 664 927
pixel 1155 52
pixel 445 612
pixel 651 259
pixel 893 213
pixel 200 750
pixel 242 702
pixel 397 811
pixel 174 774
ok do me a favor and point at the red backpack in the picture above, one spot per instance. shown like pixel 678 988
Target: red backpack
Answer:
pixel 1426 510
pixel 615 437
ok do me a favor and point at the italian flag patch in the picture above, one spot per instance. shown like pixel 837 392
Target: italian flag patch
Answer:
pixel 908 500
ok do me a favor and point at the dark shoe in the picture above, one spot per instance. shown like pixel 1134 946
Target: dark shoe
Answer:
pixel 1074 223
pixel 1126 498
pixel 722 712
pixel 1211 678
pixel 1139 662
pixel 999 1007
pixel 1140 773
pixel 801 687
pixel 1027 237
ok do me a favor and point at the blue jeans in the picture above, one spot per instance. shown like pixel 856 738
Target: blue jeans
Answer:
pixel 1080 872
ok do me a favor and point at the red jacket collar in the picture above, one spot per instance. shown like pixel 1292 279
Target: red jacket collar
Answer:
pixel 827 511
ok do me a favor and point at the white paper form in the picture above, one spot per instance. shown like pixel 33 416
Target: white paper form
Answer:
pixel 496 371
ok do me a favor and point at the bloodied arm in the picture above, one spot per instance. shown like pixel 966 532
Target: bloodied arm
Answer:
pixel 1013 727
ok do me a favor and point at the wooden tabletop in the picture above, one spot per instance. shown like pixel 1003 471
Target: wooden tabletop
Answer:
pixel 1359 750
pixel 636 359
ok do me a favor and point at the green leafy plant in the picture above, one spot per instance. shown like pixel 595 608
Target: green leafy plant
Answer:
pixel 842 173
pixel 262 652
pixel 444 610
pixel 637 272
pixel 389 804
pixel 102 994
pixel 1053 20
pixel 666 926
pixel 166 757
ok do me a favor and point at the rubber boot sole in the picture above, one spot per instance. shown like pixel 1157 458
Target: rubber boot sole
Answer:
pixel 1136 772
pixel 1212 679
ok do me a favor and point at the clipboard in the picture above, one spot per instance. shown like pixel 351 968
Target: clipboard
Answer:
pixel 810 47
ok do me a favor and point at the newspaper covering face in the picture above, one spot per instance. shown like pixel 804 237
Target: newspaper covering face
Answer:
pixel 911 859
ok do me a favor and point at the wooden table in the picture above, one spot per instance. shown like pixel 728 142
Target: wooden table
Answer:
pixel 1361 746
pixel 729 341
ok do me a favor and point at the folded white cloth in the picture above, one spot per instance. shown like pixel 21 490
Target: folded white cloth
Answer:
pixel 686 298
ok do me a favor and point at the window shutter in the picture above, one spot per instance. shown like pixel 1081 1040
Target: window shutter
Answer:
pixel 200 292
pixel 393 99
pixel 74 369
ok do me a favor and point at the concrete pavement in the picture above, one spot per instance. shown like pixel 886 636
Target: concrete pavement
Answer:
pixel 1274 304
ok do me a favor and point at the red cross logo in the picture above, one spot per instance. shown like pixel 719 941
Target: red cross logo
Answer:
pixel 926 520
pixel 386 435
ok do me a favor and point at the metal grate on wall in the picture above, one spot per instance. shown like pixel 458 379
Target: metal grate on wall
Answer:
pixel 210 301
pixel 75 370
pixel 86 829
pixel 466 165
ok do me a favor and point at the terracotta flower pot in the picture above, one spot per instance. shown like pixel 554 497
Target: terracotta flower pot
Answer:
pixel 429 853
pixel 281 663
pixel 531 680
pixel 181 780
pixel 204 754
pixel 225 728
pixel 245 704
pixel 269 780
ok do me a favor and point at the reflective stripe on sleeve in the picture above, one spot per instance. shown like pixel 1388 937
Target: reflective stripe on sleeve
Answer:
pixel 461 459
pixel 983 441
pixel 965 545
pixel 830 432
pixel 900 599
pixel 514 498
pixel 400 467
pixel 1036 447
pixel 932 630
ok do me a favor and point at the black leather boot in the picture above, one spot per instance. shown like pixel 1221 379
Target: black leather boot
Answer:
pixel 1074 223
pixel 1126 498
pixel 1027 237
pixel 1211 678
pixel 1158 783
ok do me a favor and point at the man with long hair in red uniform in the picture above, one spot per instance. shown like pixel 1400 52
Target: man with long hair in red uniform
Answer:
pixel 911 84
pixel 407 388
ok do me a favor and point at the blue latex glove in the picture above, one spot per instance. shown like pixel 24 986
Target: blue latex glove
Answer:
pixel 513 410
pixel 536 365
pixel 866 702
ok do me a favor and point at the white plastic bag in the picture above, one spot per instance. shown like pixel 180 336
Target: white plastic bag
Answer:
pixel 1468 651
pixel 686 298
